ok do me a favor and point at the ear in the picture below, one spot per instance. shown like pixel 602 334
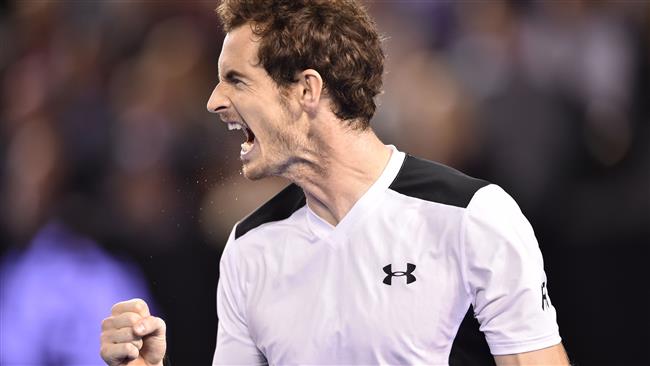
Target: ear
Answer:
pixel 310 87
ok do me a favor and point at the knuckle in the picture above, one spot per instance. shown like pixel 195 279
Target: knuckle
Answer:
pixel 130 350
pixel 107 323
pixel 105 352
pixel 126 334
pixel 132 318
pixel 115 307
pixel 116 336
pixel 139 305
pixel 110 337
pixel 161 323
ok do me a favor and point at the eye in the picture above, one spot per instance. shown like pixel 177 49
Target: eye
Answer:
pixel 237 83
pixel 234 78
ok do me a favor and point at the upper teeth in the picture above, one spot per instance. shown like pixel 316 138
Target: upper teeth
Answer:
pixel 234 126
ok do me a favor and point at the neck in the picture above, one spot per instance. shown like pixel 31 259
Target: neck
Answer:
pixel 349 162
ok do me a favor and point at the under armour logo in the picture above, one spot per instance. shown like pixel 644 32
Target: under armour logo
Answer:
pixel 410 267
pixel 544 296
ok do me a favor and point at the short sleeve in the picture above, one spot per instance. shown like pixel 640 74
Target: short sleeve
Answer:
pixel 235 345
pixel 505 275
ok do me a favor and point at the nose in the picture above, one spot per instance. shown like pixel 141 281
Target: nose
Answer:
pixel 218 101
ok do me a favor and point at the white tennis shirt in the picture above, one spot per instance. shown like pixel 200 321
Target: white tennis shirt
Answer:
pixel 403 279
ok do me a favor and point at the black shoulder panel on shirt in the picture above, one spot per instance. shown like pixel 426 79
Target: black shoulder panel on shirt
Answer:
pixel 435 182
pixel 470 347
pixel 280 207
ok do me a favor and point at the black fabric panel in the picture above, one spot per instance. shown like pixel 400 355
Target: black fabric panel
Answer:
pixel 280 207
pixel 469 347
pixel 435 182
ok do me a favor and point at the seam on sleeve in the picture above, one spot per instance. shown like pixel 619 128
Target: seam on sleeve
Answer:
pixel 462 254
pixel 238 271
pixel 234 268
pixel 508 348
pixel 463 246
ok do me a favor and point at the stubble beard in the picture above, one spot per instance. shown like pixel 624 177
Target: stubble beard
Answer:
pixel 293 157
pixel 278 158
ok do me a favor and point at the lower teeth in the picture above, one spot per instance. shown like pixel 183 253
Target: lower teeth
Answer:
pixel 246 147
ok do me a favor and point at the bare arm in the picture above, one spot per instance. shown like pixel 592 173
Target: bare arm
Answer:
pixel 551 356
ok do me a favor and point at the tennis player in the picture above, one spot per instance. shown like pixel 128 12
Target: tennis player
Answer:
pixel 370 255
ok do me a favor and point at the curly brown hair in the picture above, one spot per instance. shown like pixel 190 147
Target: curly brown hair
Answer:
pixel 337 38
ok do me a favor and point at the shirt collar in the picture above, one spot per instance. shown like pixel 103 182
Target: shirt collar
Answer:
pixel 363 206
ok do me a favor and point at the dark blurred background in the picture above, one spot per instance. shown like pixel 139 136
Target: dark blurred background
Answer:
pixel 115 182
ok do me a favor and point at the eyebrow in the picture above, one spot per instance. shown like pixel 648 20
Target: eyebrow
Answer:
pixel 233 74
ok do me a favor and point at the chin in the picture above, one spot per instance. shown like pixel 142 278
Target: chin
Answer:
pixel 259 168
pixel 253 173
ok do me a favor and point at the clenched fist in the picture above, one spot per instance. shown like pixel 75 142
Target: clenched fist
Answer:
pixel 131 336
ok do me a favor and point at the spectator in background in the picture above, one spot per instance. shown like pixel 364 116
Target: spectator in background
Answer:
pixel 56 283
pixel 118 86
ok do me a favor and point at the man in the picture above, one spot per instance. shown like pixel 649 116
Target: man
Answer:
pixel 370 256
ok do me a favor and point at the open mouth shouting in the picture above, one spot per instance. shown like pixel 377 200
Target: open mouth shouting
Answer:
pixel 248 145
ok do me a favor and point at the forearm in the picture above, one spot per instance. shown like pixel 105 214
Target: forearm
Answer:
pixel 551 356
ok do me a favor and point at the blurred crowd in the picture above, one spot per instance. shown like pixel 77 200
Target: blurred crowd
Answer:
pixel 115 182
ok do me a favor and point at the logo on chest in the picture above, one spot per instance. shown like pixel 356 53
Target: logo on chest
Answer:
pixel 410 267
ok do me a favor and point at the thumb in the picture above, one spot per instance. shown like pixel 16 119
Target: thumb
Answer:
pixel 152 330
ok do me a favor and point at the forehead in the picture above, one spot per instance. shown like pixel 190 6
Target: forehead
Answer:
pixel 239 50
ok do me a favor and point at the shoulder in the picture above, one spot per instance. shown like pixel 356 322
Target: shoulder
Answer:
pixel 493 210
pixel 435 182
pixel 278 208
pixel 493 199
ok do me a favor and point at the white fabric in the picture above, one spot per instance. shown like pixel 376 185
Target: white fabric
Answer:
pixel 300 291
